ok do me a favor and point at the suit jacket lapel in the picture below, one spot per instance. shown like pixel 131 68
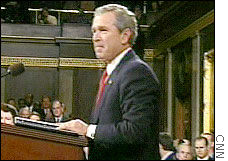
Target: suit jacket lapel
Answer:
pixel 111 80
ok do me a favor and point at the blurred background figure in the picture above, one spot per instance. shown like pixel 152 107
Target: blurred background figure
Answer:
pixel 184 151
pixel 11 103
pixel 7 114
pixel 202 149
pixel 46 18
pixel 140 16
pixel 46 109
pixel 29 101
pixel 166 148
pixel 21 103
pixel 58 112
pixel 35 116
pixel 211 143
pixel 140 40
pixel 24 112
pixel 37 109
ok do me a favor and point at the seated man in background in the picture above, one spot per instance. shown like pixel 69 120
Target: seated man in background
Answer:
pixel 45 18
pixel 21 103
pixel 35 116
pixel 7 115
pixel 29 101
pixel 211 143
pixel 58 112
pixel 24 112
pixel 46 109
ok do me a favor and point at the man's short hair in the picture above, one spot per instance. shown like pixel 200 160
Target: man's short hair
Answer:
pixel 209 134
pixel 202 138
pixel 124 18
pixel 166 141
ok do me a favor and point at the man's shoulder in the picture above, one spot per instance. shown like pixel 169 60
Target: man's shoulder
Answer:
pixel 172 156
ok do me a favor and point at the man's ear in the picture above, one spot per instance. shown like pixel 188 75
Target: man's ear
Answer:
pixel 125 36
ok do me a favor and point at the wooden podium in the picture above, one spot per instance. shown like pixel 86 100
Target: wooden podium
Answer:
pixel 21 143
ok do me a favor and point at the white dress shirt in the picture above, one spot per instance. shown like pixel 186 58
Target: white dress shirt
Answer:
pixel 206 158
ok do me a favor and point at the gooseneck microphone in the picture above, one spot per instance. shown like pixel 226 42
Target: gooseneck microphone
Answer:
pixel 14 70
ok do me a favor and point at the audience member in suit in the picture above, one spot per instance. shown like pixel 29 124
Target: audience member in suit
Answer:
pixel 29 101
pixel 202 149
pixel 184 150
pixel 46 106
pixel 37 109
pixel 46 18
pixel 124 123
pixel 166 148
pixel 21 103
pixel 211 143
pixel 58 112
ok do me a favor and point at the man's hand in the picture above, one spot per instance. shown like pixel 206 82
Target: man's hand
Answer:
pixel 77 126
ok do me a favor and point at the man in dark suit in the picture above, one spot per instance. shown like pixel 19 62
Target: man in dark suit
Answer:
pixel 58 112
pixel 166 148
pixel 124 123
pixel 202 149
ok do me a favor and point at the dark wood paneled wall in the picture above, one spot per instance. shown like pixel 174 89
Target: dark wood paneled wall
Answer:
pixel 42 41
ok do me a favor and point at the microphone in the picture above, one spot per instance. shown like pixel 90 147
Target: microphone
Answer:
pixel 14 70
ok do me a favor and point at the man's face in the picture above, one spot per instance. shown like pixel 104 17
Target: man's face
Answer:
pixel 57 109
pixel 21 103
pixel 29 99
pixel 12 102
pixel 107 39
pixel 6 118
pixel 201 148
pixel 24 113
pixel 184 152
pixel 45 13
pixel 46 102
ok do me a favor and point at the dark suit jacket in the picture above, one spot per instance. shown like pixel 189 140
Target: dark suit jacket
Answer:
pixel 127 119
pixel 64 119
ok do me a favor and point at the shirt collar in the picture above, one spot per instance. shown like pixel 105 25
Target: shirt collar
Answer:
pixel 111 66
pixel 58 118
pixel 206 158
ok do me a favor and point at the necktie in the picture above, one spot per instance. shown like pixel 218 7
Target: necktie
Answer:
pixel 101 87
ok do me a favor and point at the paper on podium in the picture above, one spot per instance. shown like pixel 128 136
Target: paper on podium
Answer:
pixel 42 125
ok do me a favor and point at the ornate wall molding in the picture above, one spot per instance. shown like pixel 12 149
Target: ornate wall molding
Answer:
pixel 53 62
pixel 30 61
pixel 81 62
